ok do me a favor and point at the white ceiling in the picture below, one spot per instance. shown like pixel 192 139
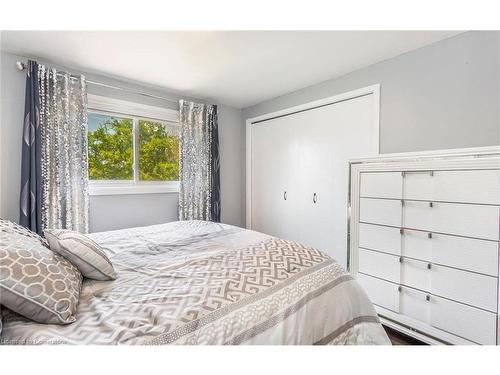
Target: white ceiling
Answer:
pixel 237 68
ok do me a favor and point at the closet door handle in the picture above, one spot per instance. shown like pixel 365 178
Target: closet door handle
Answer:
pixel 315 198
pixel 284 195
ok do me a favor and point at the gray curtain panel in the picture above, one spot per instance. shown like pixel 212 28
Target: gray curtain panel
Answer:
pixel 58 186
pixel 31 192
pixel 199 164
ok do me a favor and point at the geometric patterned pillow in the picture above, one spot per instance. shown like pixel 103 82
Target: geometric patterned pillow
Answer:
pixel 34 281
pixel 84 253
pixel 7 225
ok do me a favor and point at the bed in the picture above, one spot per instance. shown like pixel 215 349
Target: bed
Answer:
pixel 196 282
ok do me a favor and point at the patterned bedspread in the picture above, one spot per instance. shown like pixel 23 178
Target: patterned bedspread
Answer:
pixel 195 282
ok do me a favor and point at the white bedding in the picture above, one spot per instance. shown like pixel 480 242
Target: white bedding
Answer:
pixel 196 282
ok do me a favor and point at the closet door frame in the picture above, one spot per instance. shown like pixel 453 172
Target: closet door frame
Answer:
pixel 369 90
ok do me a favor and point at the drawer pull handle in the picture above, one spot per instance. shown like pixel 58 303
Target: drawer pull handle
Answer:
pixel 427 297
pixel 431 204
pixel 400 289
pixel 284 195
pixel 429 235
pixel 400 259
pixel 315 198
pixel 401 231
pixel 402 202
pixel 429 266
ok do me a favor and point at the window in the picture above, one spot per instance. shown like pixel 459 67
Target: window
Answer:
pixel 158 151
pixel 132 148
pixel 111 147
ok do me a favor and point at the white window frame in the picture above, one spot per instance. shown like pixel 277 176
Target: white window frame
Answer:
pixel 135 111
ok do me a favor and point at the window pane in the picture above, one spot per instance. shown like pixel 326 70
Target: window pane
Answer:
pixel 110 147
pixel 158 151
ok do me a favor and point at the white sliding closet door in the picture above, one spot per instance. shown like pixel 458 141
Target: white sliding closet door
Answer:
pixel 306 154
pixel 334 135
pixel 274 187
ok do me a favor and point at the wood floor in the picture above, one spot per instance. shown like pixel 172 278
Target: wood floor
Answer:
pixel 398 338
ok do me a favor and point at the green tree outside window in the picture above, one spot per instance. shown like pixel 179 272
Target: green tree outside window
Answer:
pixel 158 152
pixel 111 149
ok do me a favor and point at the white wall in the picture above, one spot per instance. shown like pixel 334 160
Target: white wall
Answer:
pixel 445 95
pixel 113 212
pixel 108 212
pixel 231 133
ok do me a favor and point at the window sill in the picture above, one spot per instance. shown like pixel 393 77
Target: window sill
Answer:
pixel 131 189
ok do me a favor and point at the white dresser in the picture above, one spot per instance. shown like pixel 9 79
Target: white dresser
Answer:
pixel 424 242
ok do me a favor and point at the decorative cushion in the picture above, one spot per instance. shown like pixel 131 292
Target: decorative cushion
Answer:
pixel 34 281
pixel 84 253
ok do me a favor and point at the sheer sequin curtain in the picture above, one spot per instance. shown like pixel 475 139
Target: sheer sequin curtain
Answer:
pixel 64 153
pixel 199 196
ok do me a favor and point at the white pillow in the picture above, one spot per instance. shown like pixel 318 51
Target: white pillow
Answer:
pixel 84 253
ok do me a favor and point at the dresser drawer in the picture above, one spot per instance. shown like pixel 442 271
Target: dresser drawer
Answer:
pixel 460 252
pixel 468 322
pixel 416 274
pixel 462 286
pixel 381 238
pixel 414 304
pixel 381 185
pixel 469 186
pixel 381 293
pixel 380 265
pixel 466 287
pixel 453 218
pixel 380 211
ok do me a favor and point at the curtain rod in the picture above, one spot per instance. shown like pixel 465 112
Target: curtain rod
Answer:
pixel 21 66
